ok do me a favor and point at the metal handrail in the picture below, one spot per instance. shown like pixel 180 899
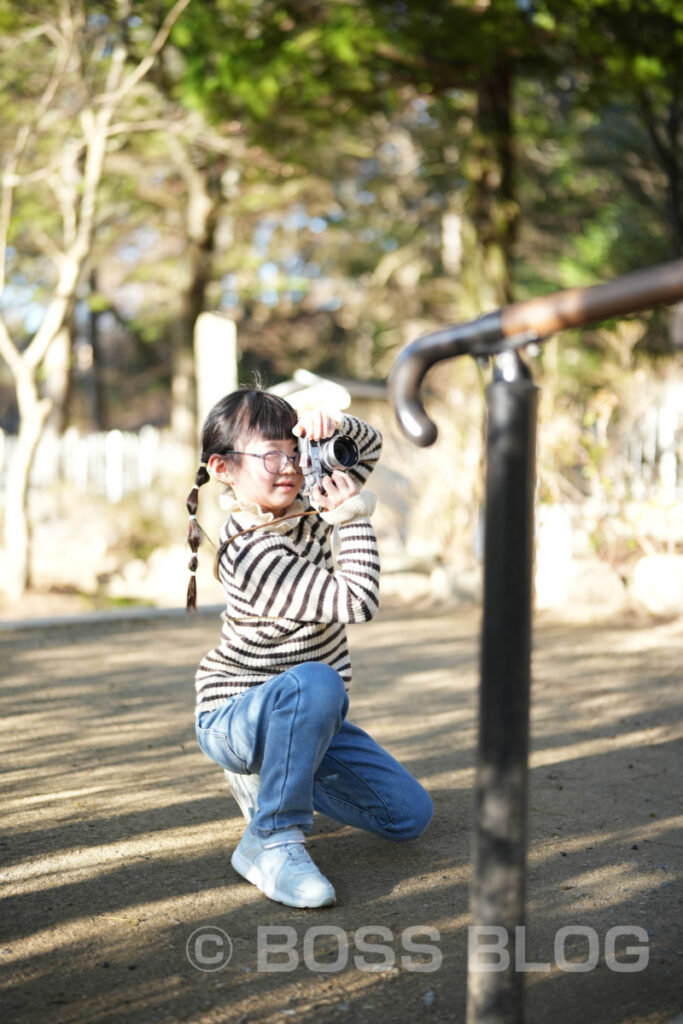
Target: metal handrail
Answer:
pixel 497 897
pixel 519 324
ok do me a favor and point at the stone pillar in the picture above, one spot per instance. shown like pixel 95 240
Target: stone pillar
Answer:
pixel 215 352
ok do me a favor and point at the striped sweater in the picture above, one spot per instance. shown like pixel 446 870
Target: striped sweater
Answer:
pixel 287 599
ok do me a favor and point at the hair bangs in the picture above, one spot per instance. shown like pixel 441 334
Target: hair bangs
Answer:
pixel 266 415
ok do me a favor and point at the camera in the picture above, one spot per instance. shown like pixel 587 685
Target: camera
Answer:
pixel 321 458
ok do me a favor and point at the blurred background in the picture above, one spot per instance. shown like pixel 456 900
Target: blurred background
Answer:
pixel 195 192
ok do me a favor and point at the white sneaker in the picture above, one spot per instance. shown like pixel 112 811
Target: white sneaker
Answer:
pixel 282 869
pixel 245 789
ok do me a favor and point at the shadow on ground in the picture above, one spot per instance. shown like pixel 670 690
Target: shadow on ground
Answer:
pixel 118 833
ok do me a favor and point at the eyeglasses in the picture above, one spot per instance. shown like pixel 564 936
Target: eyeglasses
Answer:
pixel 275 462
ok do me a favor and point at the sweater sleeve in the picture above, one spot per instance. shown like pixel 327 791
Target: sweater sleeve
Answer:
pixel 264 575
pixel 369 441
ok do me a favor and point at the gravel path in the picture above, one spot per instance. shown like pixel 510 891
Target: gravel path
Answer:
pixel 117 834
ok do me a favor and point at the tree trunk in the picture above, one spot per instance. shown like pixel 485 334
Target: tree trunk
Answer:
pixel 78 173
pixel 57 376
pixel 33 415
pixel 493 208
pixel 202 214
pixel 183 413
pixel 100 395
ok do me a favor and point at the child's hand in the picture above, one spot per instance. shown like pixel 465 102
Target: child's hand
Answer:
pixel 315 424
pixel 338 488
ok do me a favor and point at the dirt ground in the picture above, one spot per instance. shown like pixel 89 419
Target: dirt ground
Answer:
pixel 117 834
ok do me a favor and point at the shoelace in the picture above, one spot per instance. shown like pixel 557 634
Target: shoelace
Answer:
pixel 295 850
pixel 297 853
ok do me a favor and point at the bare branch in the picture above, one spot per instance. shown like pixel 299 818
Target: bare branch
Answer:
pixel 11 42
pixel 46 245
pixel 203 137
pixel 13 180
pixel 112 93
pixel 56 313
pixel 8 350
pixel 78 207
pixel 63 46
pixel 155 47
pixel 6 203
pixel 153 124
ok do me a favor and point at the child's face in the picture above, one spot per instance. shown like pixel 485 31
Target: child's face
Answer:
pixel 251 481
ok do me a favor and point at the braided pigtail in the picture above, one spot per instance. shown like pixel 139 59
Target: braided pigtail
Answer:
pixel 244 413
pixel 195 535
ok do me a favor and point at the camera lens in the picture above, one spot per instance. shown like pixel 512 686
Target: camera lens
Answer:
pixel 340 453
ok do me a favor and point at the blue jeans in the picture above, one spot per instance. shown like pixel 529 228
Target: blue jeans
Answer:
pixel 293 732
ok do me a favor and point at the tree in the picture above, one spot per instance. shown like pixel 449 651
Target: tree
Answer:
pixel 325 68
pixel 62 119
pixel 624 62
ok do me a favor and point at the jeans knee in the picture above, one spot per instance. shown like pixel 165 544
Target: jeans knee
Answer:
pixel 415 820
pixel 321 686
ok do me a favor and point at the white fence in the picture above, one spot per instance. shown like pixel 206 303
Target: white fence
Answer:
pixel 112 464
pixel 653 451
pixel 648 457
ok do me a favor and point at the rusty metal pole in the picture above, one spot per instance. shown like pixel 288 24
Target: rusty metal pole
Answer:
pixel 497 895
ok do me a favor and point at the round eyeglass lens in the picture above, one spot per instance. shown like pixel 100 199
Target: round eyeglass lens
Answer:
pixel 276 462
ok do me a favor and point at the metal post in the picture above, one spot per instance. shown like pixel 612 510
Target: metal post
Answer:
pixel 495 995
pixel 499 846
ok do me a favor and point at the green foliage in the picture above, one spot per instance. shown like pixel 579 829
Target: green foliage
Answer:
pixel 274 60
pixel 541 127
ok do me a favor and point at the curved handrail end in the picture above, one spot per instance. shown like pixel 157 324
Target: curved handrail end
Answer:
pixel 405 379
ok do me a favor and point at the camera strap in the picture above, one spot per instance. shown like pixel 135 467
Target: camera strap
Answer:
pixel 223 547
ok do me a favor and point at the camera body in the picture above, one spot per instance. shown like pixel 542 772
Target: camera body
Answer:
pixel 320 458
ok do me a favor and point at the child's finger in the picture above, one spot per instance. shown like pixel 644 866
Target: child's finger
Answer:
pixel 343 480
pixel 315 424
pixel 320 425
pixel 344 486
pixel 319 496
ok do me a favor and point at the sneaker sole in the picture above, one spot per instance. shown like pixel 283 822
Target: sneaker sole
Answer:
pixel 252 874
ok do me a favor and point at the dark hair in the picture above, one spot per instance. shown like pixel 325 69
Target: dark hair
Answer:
pixel 236 417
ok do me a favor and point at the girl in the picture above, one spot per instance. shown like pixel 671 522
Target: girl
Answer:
pixel 271 697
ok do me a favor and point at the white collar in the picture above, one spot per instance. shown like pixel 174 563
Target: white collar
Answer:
pixel 251 514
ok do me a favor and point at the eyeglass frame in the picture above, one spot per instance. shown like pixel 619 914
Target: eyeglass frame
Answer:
pixel 264 455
